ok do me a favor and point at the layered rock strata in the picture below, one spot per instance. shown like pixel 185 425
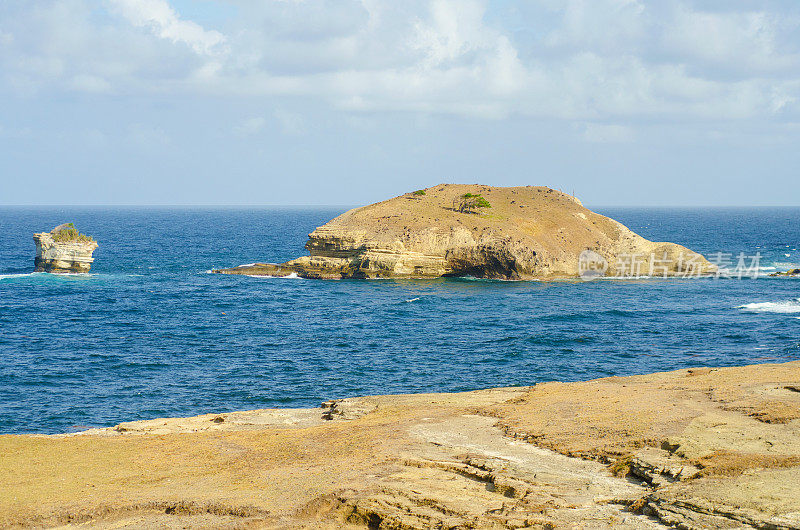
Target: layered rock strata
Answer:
pixel 522 233
pixel 63 253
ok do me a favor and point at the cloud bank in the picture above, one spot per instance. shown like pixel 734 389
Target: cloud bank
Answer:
pixel 602 62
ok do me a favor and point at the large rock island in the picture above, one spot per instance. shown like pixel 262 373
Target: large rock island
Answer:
pixel 482 231
pixel 64 249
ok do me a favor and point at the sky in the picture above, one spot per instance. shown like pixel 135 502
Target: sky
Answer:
pixel 347 102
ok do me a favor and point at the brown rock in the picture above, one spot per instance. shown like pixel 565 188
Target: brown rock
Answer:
pixel 523 233
pixel 696 453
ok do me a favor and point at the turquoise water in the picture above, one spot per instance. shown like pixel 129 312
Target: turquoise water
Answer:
pixel 149 333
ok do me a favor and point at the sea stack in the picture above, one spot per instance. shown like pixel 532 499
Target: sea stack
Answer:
pixel 64 250
pixel 519 233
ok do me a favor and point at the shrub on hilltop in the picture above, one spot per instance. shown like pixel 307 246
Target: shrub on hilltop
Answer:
pixel 68 233
pixel 469 203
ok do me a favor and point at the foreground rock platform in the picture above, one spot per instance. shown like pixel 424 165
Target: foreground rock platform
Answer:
pixel 698 448
pixel 520 233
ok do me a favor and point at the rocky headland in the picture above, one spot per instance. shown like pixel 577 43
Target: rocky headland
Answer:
pixel 696 448
pixel 512 233
pixel 64 250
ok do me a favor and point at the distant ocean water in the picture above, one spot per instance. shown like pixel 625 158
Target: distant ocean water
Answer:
pixel 149 333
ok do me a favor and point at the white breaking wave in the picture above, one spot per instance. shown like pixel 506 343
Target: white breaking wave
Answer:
pixel 413 299
pixel 292 276
pixel 70 275
pixel 18 275
pixel 789 306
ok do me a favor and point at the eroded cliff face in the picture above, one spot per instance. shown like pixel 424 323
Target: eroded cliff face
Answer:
pixel 527 233
pixel 62 256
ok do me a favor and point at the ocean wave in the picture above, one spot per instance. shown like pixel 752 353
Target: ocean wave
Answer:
pixel 785 265
pixel 17 275
pixel 474 279
pixel 292 276
pixel 69 275
pixel 788 306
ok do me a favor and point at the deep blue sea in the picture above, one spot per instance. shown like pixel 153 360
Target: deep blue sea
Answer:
pixel 149 333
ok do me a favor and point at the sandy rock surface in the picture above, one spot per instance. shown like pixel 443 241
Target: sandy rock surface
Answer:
pixel 701 448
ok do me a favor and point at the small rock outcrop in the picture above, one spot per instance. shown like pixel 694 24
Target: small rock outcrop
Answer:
pixel 63 249
pixel 791 273
pixel 482 231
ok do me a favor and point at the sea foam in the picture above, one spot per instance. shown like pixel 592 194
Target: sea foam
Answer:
pixel 18 275
pixel 788 306
pixel 291 276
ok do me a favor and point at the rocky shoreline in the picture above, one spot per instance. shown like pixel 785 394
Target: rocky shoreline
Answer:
pixel 697 448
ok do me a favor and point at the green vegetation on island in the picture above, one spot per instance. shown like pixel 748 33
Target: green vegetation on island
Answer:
pixel 469 203
pixel 67 233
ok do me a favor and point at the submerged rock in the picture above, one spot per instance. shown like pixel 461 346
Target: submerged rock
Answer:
pixel 481 231
pixel 63 249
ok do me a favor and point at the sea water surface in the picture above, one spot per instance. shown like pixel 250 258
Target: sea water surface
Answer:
pixel 149 333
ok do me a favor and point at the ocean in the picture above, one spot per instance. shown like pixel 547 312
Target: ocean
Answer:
pixel 150 333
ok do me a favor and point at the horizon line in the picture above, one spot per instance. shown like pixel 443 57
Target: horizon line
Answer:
pixel 350 206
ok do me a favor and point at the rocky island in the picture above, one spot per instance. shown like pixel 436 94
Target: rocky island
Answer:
pixel 513 233
pixel 64 250
pixel 694 448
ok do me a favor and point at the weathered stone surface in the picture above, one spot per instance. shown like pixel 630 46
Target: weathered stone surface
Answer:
pixel 527 233
pixel 708 455
pixel 62 256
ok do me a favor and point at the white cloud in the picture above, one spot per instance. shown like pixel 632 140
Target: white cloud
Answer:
pixel 743 42
pixel 599 61
pixel 90 83
pixel 605 133
pixel 6 38
pixel 291 123
pixel 250 126
pixel 163 21
pixel 148 136
pixel 15 133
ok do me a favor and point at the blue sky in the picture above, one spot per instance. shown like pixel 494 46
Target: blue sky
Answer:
pixel 238 102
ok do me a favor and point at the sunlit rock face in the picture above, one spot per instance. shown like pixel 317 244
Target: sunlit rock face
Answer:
pixel 519 233
pixel 63 253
